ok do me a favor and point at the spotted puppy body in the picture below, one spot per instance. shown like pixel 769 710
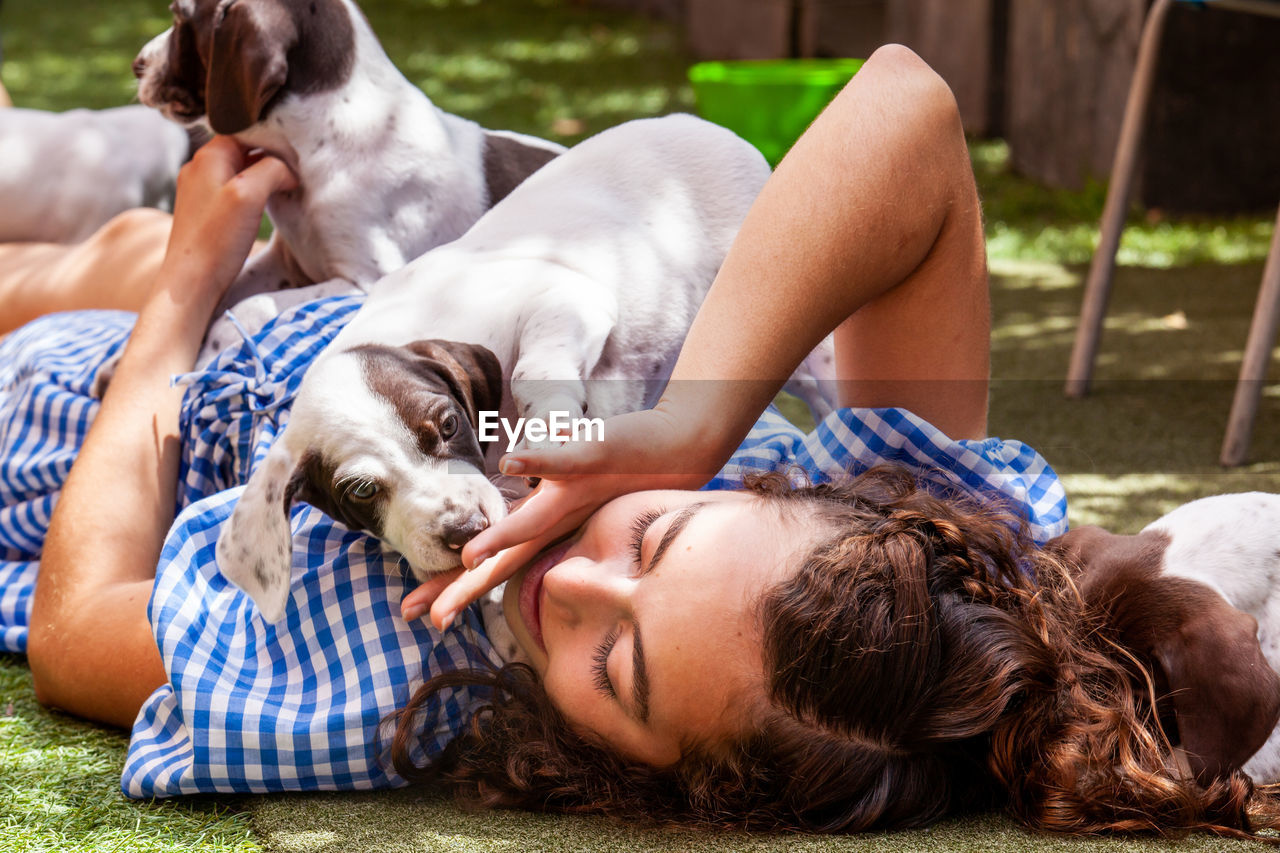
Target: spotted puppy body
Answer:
pixel 1196 595
pixel 66 174
pixel 573 295
pixel 383 174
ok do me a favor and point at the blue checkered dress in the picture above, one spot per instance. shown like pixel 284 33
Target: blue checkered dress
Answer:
pixel 251 707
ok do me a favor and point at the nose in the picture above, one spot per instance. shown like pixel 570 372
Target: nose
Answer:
pixel 584 590
pixel 139 66
pixel 459 531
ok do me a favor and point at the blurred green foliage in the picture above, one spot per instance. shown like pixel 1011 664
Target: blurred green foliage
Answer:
pixel 556 69
pixel 1028 222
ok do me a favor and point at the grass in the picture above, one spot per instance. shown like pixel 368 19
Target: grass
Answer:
pixel 1143 442
pixel 1147 438
pixel 417 820
pixel 555 69
pixel 1027 222
pixel 60 788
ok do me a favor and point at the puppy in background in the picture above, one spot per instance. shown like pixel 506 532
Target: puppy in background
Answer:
pixel 64 175
pixel 1196 596
pixel 383 174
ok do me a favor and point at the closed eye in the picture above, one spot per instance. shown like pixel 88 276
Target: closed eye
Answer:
pixel 600 656
pixel 600 665
pixel 639 527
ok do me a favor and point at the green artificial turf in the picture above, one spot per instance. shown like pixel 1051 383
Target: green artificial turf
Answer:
pixel 1146 440
pixel 60 788
pixel 415 821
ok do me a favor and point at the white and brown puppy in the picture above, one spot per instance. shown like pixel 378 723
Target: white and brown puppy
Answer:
pixel 575 293
pixel 383 174
pixel 1196 595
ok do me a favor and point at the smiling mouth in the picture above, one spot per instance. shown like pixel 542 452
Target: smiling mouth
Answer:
pixel 530 588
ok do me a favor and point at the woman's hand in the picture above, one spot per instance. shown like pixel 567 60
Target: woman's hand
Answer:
pixel 651 449
pixel 222 193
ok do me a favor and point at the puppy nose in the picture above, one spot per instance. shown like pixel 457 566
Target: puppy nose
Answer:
pixel 139 66
pixel 459 532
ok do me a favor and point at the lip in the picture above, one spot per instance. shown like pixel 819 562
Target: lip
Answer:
pixel 530 600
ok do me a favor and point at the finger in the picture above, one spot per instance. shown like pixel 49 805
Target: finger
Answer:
pixel 265 177
pixel 471 585
pixel 551 509
pixel 565 460
pixel 415 604
pixel 222 155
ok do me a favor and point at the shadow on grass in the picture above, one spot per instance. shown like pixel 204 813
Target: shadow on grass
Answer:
pixel 1026 221
pixel 1148 436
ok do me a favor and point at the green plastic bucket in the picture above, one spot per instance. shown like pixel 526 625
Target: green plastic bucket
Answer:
pixel 768 102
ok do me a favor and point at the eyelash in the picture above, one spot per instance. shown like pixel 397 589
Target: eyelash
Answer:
pixel 600 665
pixel 639 527
pixel 600 657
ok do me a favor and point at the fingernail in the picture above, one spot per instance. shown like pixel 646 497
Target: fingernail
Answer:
pixel 413 612
pixel 511 467
pixel 475 564
pixel 448 620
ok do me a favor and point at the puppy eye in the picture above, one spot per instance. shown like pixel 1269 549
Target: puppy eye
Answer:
pixel 363 491
pixel 449 426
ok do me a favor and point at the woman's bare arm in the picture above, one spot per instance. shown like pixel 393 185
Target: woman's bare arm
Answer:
pixel 90 646
pixel 114 267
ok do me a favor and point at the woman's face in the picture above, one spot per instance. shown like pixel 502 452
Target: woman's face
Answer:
pixel 643 626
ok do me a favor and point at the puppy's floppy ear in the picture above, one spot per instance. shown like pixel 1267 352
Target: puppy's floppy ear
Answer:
pixel 474 374
pixel 255 548
pixel 248 63
pixel 1203 651
pixel 1225 695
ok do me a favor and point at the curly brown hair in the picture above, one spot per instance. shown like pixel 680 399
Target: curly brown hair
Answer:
pixel 924 659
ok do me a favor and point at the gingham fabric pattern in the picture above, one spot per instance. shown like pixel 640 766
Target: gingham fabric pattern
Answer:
pixel 249 707
pixel 853 440
pixel 47 371
pixel 294 706
pixel 252 707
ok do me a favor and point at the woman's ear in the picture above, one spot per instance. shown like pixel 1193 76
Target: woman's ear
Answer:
pixel 255 547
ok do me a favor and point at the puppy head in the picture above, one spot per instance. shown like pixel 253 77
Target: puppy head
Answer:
pixel 232 61
pixel 381 439
pixel 1204 653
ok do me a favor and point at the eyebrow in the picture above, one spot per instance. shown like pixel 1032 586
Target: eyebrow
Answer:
pixel 673 530
pixel 640 672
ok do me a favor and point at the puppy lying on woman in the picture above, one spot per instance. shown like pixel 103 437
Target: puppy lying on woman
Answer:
pixel 572 296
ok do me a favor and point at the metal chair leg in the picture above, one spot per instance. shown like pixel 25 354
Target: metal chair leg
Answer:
pixel 1257 355
pixel 1098 286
